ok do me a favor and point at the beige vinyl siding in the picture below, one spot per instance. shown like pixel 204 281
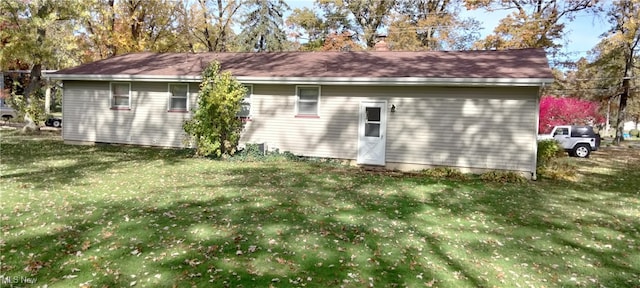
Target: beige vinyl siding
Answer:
pixel 88 115
pixel 491 128
pixel 473 133
pixel 79 109
pixel 332 135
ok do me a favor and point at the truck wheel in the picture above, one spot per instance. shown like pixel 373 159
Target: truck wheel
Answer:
pixel 56 123
pixel 582 151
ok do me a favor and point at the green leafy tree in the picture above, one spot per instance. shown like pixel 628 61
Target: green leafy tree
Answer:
pixel 431 25
pixel 621 46
pixel 116 27
pixel 533 24
pixel 264 26
pixel 215 128
pixel 331 29
pixel 39 35
pixel 210 23
pixel 149 25
pixel 306 23
pixel 99 38
pixel 609 75
pixel 403 35
pixel 343 42
pixel 368 16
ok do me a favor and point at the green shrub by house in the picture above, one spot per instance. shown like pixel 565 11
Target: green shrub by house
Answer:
pixel 548 150
pixel 215 128
pixel 551 162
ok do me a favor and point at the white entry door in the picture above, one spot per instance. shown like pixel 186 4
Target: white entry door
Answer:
pixel 371 132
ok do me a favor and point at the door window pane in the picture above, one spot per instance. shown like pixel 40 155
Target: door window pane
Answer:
pixel 373 114
pixel 372 130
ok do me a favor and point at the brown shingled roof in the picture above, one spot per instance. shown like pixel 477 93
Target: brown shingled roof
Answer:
pixel 521 63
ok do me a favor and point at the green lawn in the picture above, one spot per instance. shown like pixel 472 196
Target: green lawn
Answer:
pixel 106 216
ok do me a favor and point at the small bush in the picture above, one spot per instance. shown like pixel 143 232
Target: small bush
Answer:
pixel 548 150
pixel 287 155
pixel 253 153
pixel 634 133
pixel 445 172
pixel 558 169
pixel 322 160
pixel 502 177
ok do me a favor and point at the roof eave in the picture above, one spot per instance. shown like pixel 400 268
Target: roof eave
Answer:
pixel 362 81
pixel 125 77
pixel 398 81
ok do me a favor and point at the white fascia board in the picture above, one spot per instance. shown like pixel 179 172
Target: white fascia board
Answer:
pixel 398 81
pixel 363 81
pixel 125 77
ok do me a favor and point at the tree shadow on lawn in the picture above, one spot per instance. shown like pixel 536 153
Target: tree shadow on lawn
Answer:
pixel 174 249
pixel 50 162
pixel 553 237
pixel 294 224
pixel 318 226
pixel 580 233
pixel 615 169
pixel 354 230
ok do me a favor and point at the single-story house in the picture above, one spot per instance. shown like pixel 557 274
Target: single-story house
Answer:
pixel 407 110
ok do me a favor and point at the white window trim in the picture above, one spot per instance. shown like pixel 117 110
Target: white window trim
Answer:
pixel 298 99
pixel 171 96
pixel 250 87
pixel 111 96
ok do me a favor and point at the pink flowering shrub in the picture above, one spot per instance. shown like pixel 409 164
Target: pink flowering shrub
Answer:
pixel 567 111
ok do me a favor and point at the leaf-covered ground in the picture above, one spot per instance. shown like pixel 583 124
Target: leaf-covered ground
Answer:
pixel 106 216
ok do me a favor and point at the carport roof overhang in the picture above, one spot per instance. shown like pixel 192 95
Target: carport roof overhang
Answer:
pixel 359 81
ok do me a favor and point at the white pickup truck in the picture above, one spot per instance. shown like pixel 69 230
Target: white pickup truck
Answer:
pixel 578 141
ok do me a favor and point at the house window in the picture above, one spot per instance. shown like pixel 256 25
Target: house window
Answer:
pixel 178 97
pixel 120 95
pixel 308 100
pixel 245 104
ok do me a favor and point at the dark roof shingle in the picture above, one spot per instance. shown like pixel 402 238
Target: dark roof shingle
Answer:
pixel 520 63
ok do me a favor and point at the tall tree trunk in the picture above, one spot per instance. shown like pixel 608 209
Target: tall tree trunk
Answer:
pixel 220 41
pixel 29 93
pixel 205 17
pixel 622 109
pixel 628 72
pixel 111 45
